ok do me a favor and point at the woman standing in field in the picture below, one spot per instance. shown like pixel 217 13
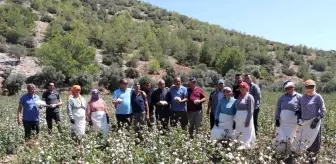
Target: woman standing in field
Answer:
pixel 244 117
pixel 76 112
pixel 96 113
pixel 312 110
pixel 225 112
pixel 286 118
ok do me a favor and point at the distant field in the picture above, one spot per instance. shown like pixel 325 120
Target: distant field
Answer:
pixel 123 147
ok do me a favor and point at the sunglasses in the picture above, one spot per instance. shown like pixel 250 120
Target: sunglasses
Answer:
pixel 310 87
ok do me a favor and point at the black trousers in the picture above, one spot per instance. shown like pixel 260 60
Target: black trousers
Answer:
pixel 162 117
pixel 124 120
pixel 255 119
pixel 212 120
pixel 151 120
pixel 30 126
pixel 50 116
pixel 181 117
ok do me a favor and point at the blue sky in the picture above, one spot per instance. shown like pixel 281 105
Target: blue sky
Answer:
pixel 309 22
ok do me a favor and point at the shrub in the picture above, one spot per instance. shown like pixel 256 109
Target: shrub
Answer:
pixel 13 36
pixel 320 64
pixel 85 81
pixel 154 66
pixel 288 71
pixel 111 76
pixel 169 77
pixel 48 74
pixel 52 10
pixel 326 77
pixel 133 62
pixel 132 73
pixel 13 83
pixel 330 86
pixel 46 18
pixel 109 59
pixel 143 80
pixel 145 54
pixel 3 48
pixel 69 54
pixel 18 51
pixel 2 39
pixel 30 43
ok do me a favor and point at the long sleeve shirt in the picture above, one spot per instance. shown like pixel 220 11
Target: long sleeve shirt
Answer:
pixel 254 90
pixel 246 103
pixel 226 106
pixel 312 106
pixel 74 105
pixel 236 91
pixel 287 102
pixel 214 98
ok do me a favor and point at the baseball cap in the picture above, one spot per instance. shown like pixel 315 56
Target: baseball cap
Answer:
pixel 192 79
pixel 288 84
pixel 220 81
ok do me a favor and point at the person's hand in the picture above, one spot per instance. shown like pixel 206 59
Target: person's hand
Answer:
pixel 72 121
pixel 90 123
pixel 197 102
pixel 216 123
pixel 19 121
pixel 147 116
pixel 277 123
pixel 314 123
pixel 53 105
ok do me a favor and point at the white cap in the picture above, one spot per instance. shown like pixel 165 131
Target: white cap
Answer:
pixel 227 89
pixel 288 84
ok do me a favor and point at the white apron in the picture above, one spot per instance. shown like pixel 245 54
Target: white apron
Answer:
pixel 224 129
pixel 99 122
pixel 246 135
pixel 79 126
pixel 284 135
pixel 305 136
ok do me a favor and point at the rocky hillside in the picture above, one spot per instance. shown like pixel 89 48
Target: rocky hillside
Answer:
pixel 104 40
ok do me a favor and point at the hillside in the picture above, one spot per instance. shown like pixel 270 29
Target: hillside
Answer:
pixel 82 41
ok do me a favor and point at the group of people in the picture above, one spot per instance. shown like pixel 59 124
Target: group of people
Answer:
pixel 233 112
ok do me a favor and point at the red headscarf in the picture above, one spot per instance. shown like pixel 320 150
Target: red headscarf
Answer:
pixel 243 85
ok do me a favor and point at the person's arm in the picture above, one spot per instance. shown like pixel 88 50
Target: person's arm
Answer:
pixel 203 97
pixel 218 109
pixel 278 109
pixel 322 107
pixel 146 104
pixel 88 112
pixel 250 107
pixel 115 97
pixel 209 103
pixel 168 97
pixel 185 96
pixel 257 96
pixel 60 102
pixel 19 111
pixel 69 110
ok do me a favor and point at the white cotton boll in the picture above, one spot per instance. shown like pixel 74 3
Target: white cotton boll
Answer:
pixel 177 98
pixel 40 103
pixel 119 100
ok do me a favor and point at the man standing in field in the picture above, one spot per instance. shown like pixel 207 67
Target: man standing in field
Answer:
pixel 254 90
pixel 214 98
pixel 147 88
pixel 196 98
pixel 162 110
pixel 29 111
pixel 53 101
pixel 236 90
pixel 122 101
pixel 177 97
